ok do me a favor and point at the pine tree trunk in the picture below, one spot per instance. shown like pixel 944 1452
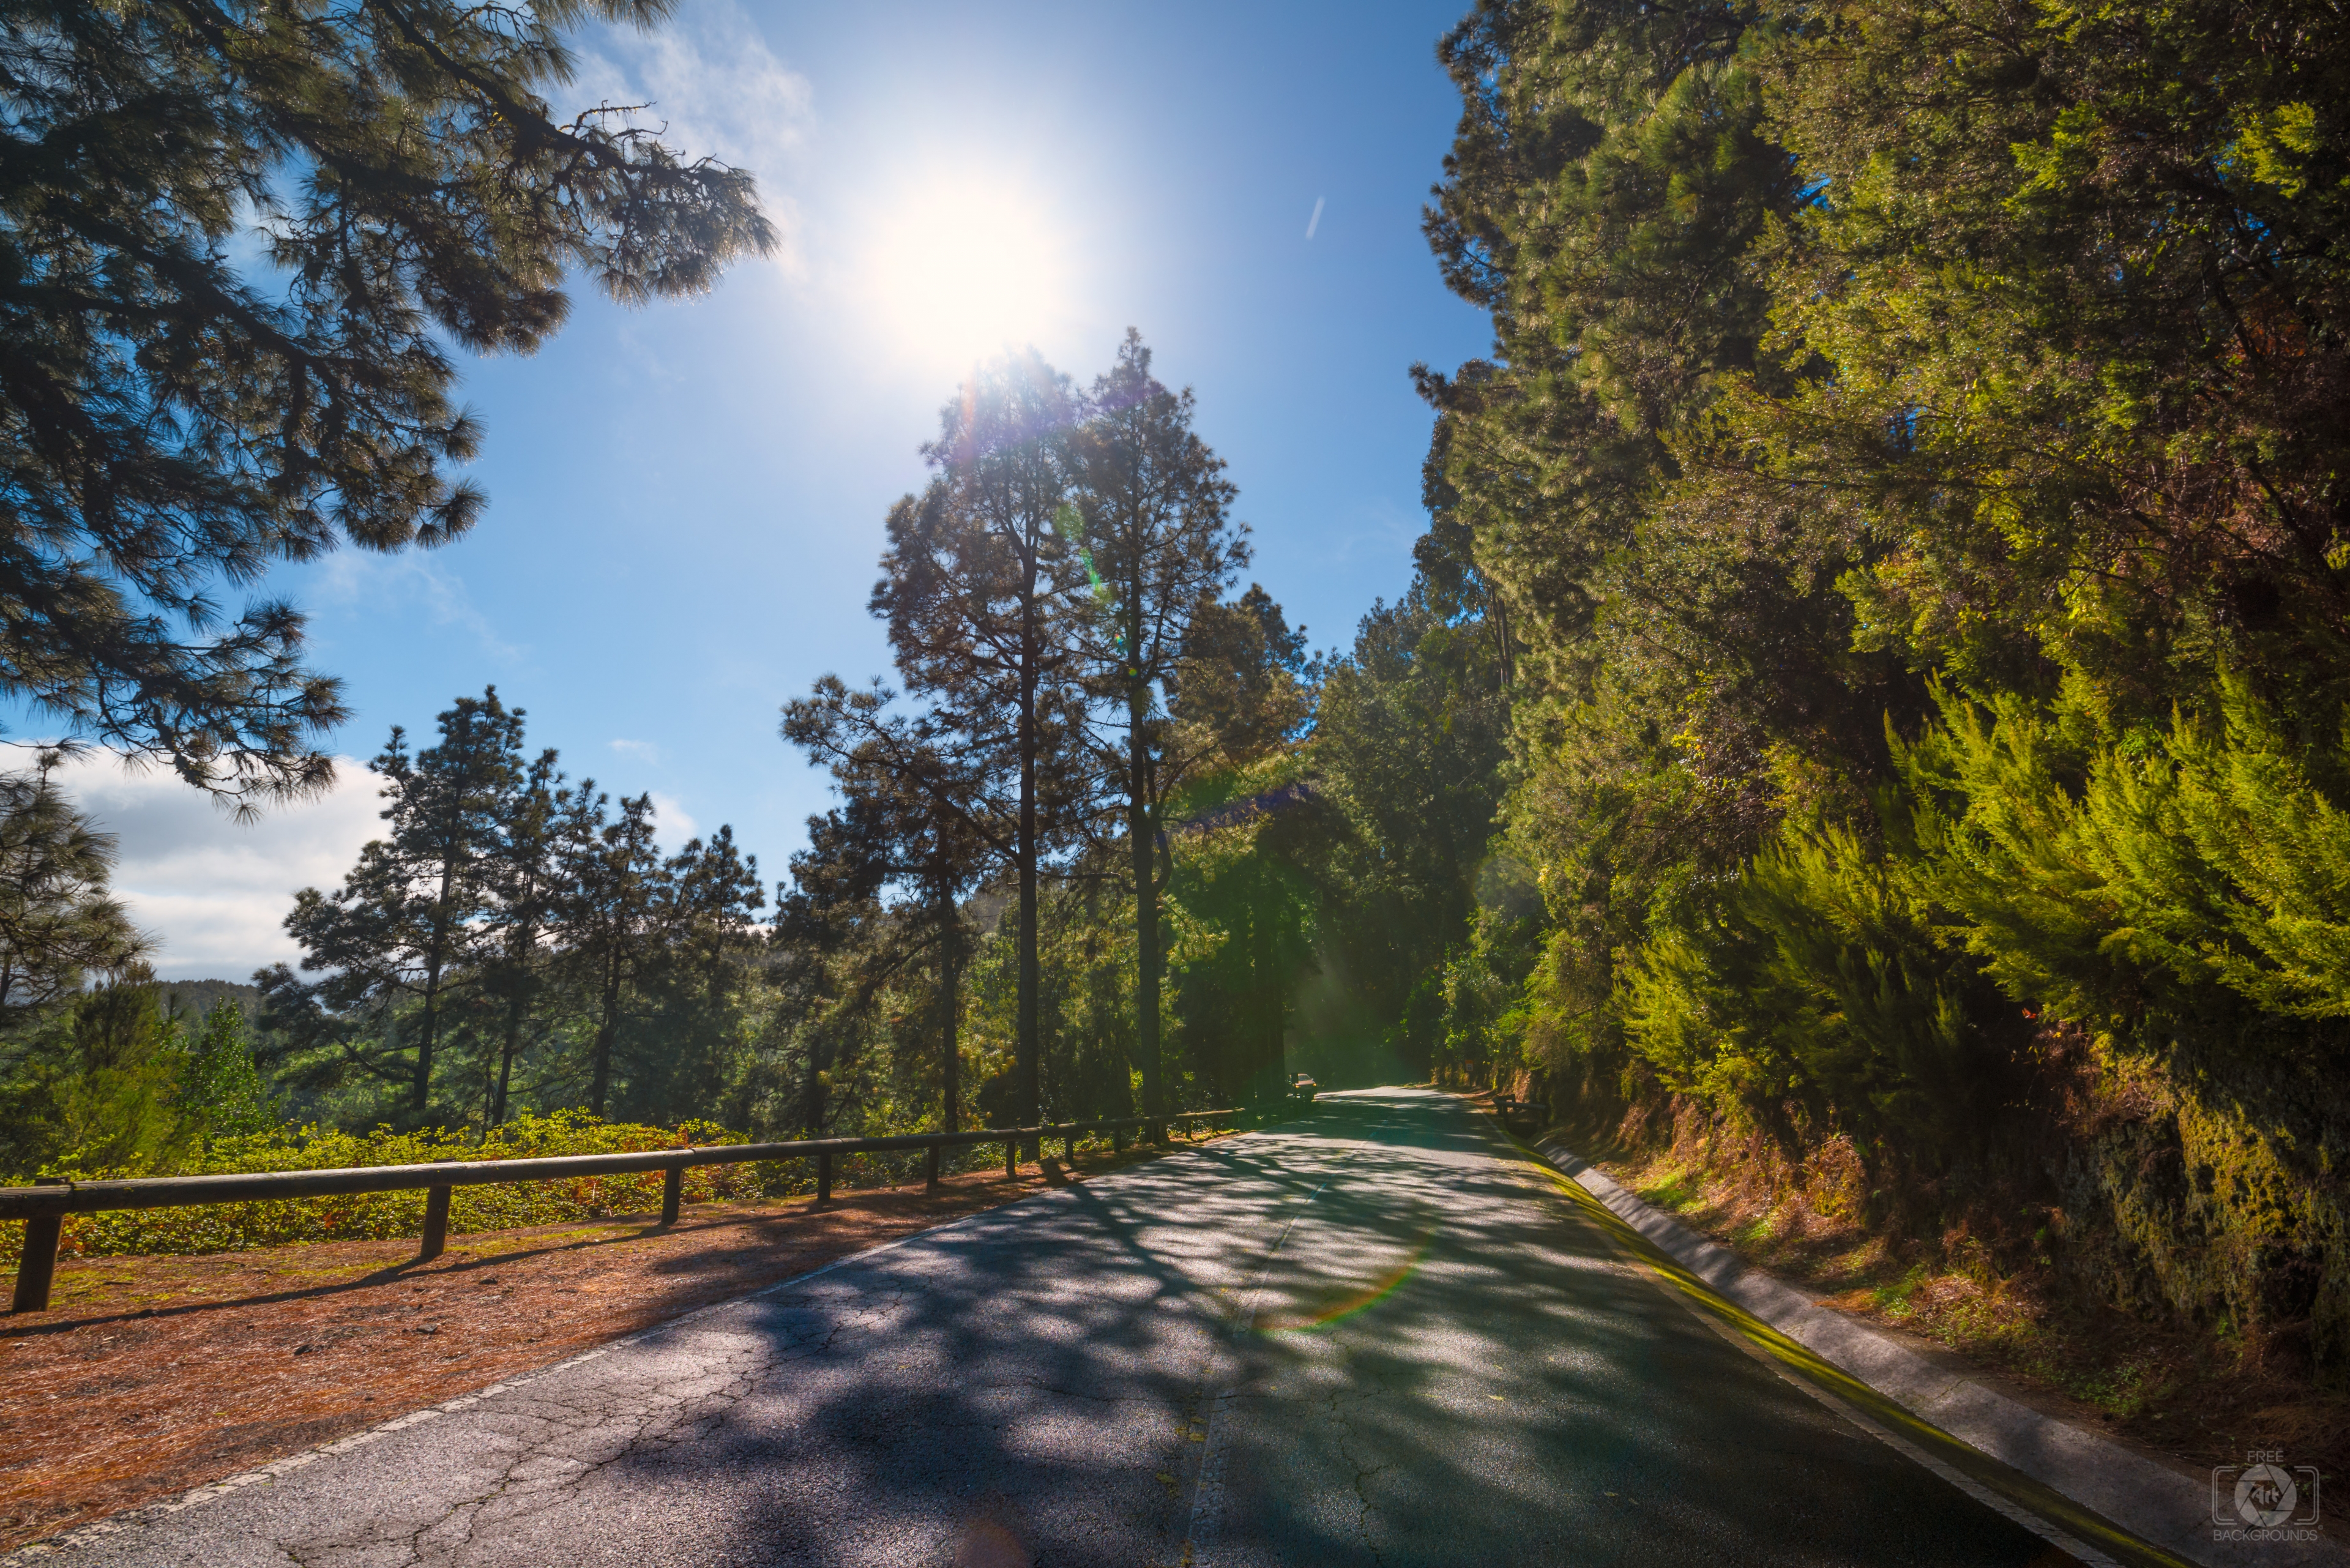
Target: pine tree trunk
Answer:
pixel 1030 1097
pixel 1143 842
pixel 506 1050
pixel 606 1028
pixel 949 1046
pixel 811 1091
pixel 422 1091
pixel 434 963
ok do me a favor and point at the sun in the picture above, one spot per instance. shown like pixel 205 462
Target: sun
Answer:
pixel 959 266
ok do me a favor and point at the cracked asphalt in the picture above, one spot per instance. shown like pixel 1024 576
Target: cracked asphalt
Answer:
pixel 1368 1336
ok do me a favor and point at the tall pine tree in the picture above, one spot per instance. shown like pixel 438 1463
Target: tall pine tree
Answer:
pixel 524 876
pixel 608 911
pixel 1160 545
pixel 980 585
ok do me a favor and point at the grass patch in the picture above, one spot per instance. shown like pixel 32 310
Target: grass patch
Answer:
pixel 1676 1192
pixel 1892 1298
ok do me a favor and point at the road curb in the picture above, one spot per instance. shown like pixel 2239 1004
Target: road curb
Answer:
pixel 2168 1510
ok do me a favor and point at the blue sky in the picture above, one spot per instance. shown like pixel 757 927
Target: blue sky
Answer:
pixel 686 500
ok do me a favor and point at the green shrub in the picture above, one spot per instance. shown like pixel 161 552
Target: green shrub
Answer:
pixel 1817 978
pixel 378 1216
pixel 2101 874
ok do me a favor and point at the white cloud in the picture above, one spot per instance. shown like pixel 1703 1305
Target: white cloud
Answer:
pixel 672 824
pixel 715 88
pixel 411 578
pixel 213 890
pixel 643 751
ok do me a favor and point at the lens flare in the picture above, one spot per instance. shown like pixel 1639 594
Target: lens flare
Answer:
pixel 1359 1300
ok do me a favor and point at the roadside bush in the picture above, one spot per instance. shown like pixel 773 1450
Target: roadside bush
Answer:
pixel 378 1216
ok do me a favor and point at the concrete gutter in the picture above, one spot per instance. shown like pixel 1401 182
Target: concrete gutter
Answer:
pixel 2170 1510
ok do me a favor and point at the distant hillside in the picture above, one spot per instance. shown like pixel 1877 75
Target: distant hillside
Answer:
pixel 199 997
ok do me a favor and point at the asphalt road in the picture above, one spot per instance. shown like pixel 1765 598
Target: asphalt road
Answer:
pixel 1368 1336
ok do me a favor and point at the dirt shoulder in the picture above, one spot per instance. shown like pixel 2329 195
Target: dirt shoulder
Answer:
pixel 151 1375
pixel 2191 1401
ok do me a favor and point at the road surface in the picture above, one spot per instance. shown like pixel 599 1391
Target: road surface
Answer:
pixel 1373 1335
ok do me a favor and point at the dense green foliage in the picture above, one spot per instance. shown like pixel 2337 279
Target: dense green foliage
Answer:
pixel 1912 464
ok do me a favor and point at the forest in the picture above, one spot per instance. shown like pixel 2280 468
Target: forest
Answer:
pixel 1872 689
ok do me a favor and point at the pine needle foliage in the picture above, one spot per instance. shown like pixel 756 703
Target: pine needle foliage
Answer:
pixel 236 239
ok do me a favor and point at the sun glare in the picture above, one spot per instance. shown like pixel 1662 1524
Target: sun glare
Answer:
pixel 962 267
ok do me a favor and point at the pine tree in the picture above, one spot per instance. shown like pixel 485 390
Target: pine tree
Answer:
pixel 826 924
pixel 611 881
pixel 1412 742
pixel 1244 691
pixel 913 819
pixel 979 587
pixel 1159 546
pixel 522 875
pixel 112 1068
pixel 1245 681
pixel 1612 167
pixel 58 921
pixel 709 895
pixel 169 425
pixel 406 924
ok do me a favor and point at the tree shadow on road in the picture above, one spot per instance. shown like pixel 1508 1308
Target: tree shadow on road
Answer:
pixel 1407 1350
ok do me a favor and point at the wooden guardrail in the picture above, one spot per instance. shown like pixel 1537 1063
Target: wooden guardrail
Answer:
pixel 44 1205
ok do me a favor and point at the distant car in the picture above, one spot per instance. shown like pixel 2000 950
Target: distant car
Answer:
pixel 1303 1088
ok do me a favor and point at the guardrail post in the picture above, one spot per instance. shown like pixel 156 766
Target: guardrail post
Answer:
pixel 1117 1140
pixel 37 1271
pixel 1069 1144
pixel 824 1177
pixel 673 1193
pixel 1011 1158
pixel 931 1168
pixel 436 1224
